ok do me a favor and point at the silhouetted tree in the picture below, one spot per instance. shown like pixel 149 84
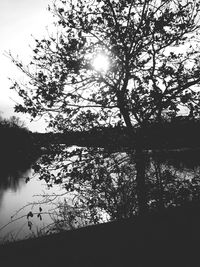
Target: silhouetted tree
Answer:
pixel 12 122
pixel 15 140
pixel 152 53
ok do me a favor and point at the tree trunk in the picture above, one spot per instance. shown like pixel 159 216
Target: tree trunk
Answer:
pixel 140 162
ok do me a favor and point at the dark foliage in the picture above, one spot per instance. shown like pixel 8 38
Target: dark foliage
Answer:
pixel 168 238
pixel 14 137
pixel 17 151
pixel 151 78
pixel 150 75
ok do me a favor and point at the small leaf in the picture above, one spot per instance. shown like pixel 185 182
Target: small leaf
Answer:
pixel 27 180
pixel 30 224
pixel 30 214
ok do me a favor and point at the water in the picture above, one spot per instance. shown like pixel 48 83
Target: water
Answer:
pixel 179 175
pixel 12 200
pixel 18 197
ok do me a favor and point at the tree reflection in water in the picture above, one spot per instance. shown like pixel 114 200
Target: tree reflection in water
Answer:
pixel 101 184
pixel 15 169
pixel 12 168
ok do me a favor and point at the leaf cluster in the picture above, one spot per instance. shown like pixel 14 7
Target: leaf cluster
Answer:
pixel 153 51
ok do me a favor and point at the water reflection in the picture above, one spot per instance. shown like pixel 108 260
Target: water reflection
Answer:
pixel 106 185
pixel 102 185
pixel 13 168
pixel 18 198
pixel 180 159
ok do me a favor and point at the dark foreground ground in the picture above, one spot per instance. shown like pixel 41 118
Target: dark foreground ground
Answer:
pixel 170 238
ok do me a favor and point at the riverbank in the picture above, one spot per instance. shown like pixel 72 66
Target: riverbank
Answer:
pixel 168 238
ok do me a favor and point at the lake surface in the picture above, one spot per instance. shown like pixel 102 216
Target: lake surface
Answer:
pixel 18 197
pixel 180 182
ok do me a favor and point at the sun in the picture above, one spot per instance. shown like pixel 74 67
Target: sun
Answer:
pixel 101 63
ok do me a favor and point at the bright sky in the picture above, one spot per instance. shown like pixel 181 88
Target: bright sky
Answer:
pixel 19 19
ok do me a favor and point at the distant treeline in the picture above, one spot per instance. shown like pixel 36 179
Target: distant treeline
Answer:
pixel 180 132
pixel 15 138
pixel 177 133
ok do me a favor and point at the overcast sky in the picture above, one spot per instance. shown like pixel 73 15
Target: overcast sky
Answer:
pixel 19 19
